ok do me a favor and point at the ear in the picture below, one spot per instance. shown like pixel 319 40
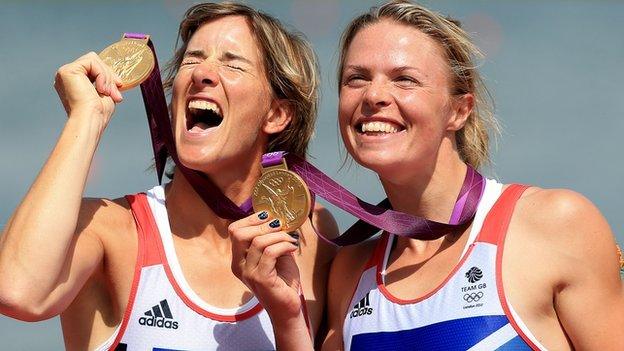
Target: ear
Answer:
pixel 462 108
pixel 278 117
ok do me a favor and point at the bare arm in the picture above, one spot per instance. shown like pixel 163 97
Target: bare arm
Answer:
pixel 590 300
pixel 43 263
pixel 580 261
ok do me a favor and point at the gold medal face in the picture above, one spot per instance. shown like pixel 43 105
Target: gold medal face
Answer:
pixel 131 59
pixel 284 195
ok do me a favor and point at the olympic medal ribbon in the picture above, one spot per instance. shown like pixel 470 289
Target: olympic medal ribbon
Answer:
pixel 374 218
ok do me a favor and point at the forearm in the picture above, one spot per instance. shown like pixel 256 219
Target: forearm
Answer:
pixel 292 334
pixel 35 243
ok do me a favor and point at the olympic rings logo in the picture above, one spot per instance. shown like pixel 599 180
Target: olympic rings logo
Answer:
pixel 473 297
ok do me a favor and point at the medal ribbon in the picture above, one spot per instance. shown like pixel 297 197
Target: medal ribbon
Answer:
pixel 372 218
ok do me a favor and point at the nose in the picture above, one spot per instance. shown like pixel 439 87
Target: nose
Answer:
pixel 377 96
pixel 205 74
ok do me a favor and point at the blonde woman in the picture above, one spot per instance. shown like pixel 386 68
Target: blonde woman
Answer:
pixel 536 268
pixel 152 271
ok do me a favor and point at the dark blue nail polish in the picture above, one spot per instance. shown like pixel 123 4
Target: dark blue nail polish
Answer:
pixel 294 235
pixel 274 223
pixel 263 215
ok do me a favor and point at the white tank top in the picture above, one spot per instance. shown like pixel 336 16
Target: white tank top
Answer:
pixel 468 311
pixel 163 312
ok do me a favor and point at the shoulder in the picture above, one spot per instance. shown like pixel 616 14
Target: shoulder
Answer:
pixel 569 227
pixel 562 214
pixel 100 217
pixel 322 222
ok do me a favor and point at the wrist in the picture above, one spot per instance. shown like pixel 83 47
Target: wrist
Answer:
pixel 86 122
pixel 293 322
pixel 292 333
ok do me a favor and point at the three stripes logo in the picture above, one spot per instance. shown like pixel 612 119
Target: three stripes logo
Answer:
pixel 361 308
pixel 159 316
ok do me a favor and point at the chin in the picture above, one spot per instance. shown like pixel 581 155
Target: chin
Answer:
pixel 376 163
pixel 192 157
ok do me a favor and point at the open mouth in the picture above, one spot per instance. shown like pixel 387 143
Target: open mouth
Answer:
pixel 202 115
pixel 377 128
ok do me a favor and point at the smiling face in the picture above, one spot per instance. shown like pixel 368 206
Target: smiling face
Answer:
pixel 395 105
pixel 221 97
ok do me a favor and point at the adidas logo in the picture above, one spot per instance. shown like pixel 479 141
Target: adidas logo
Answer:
pixel 159 316
pixel 361 308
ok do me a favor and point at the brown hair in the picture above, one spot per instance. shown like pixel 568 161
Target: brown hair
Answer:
pixel 290 63
pixel 461 53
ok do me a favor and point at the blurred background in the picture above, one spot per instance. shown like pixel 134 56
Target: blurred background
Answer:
pixel 554 68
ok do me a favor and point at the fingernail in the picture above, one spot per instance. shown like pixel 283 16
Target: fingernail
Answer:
pixel 296 243
pixel 294 235
pixel 263 215
pixel 274 223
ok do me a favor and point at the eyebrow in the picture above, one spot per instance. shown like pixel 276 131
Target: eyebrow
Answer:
pixel 404 68
pixel 362 69
pixel 226 56
pixel 195 53
pixel 230 56
pixel 356 68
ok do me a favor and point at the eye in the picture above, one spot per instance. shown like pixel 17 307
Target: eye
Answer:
pixel 354 80
pixel 234 67
pixel 189 61
pixel 407 81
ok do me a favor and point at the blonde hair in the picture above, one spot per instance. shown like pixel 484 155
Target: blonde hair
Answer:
pixel 473 138
pixel 290 64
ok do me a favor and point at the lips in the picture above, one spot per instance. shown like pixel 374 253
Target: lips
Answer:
pixel 202 115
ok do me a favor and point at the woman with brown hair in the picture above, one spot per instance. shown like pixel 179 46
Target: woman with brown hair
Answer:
pixel 152 271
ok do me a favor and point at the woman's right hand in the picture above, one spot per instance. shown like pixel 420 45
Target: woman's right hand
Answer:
pixel 89 88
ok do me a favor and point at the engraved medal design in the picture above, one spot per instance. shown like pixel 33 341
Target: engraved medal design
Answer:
pixel 284 195
pixel 131 59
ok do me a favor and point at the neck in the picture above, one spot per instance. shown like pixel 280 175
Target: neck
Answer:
pixel 428 192
pixel 431 195
pixel 191 217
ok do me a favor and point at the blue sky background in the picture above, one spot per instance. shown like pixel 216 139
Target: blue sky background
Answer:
pixel 554 68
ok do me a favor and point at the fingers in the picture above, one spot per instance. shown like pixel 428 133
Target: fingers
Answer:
pixel 267 263
pixel 242 233
pixel 265 249
pixel 106 81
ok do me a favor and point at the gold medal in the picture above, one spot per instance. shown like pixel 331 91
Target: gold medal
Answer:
pixel 284 195
pixel 621 258
pixel 131 59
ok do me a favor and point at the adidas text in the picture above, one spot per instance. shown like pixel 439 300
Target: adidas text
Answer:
pixel 159 322
pixel 361 311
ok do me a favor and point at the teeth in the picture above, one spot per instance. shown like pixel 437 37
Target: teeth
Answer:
pixel 204 105
pixel 379 127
